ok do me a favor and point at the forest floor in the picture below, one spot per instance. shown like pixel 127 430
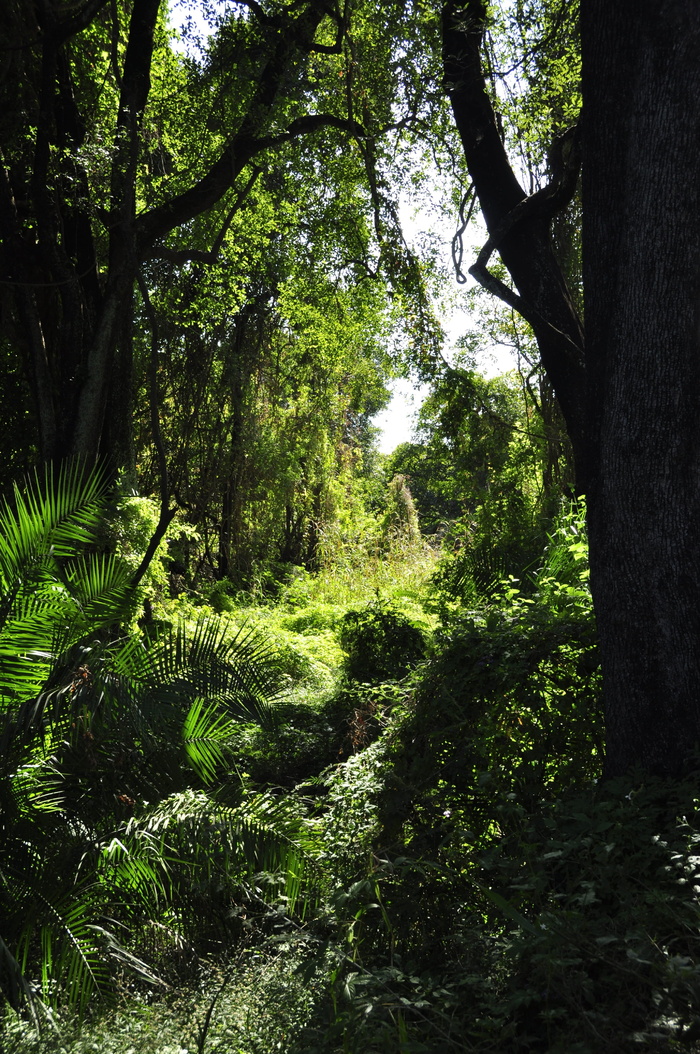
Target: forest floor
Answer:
pixel 470 884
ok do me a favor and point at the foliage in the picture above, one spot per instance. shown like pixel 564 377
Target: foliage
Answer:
pixel 381 643
pixel 241 309
pixel 103 737
pixel 464 898
pixel 130 523
pixel 254 1003
pixel 351 821
pixel 401 519
pixel 536 61
pixel 482 475
pixel 346 839
pixel 517 682
pixel 601 947
pixel 267 401
pixel 575 931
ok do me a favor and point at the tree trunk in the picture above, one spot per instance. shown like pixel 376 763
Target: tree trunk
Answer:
pixel 641 228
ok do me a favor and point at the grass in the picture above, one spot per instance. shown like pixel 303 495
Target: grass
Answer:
pixel 358 577
pixel 302 620
pixel 572 928
pixel 256 1005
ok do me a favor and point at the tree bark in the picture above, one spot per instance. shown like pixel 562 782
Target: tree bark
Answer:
pixel 641 231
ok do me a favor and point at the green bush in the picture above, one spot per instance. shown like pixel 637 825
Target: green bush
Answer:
pixel 381 643
pixel 602 939
pixel 510 705
pixel 576 931
pixel 124 837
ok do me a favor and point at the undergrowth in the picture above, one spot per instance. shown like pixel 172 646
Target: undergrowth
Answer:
pixel 470 885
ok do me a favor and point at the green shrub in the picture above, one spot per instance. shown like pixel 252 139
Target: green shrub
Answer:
pixel 128 528
pixel 400 524
pixel 510 705
pixel 381 643
pixel 118 815
pixel 601 943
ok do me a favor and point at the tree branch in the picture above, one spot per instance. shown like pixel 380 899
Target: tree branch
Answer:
pixel 332 49
pixel 311 123
pixel 546 202
pixel 292 40
pixel 133 96
pixel 252 5
pixel 198 198
pixel 202 255
pixel 494 285
pixel 518 225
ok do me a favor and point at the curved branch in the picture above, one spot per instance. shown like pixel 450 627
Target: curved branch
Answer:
pixel 202 255
pixel 518 225
pixel 212 186
pixel 293 40
pixel 80 20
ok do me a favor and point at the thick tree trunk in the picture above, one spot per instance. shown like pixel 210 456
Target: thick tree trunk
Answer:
pixel 641 202
pixel 633 411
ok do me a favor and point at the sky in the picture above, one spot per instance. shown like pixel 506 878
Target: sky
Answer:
pixel 397 421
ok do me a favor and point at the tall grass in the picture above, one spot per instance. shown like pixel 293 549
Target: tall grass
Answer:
pixel 400 573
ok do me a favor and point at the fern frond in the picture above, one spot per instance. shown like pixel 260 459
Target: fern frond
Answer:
pixel 240 673
pixel 259 835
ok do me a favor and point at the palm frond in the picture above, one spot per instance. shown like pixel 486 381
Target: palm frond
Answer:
pixel 87 722
pixel 100 589
pixel 50 925
pixel 260 835
pixel 240 672
pixel 206 733
pixel 47 520
pixel 50 595
pixel 136 865
pixel 73 958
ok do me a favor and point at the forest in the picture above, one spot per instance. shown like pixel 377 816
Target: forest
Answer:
pixel 304 746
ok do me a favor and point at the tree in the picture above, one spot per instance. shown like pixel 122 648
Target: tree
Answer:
pixel 117 152
pixel 641 202
pixel 485 451
pixel 631 402
pixel 261 407
pixel 518 223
